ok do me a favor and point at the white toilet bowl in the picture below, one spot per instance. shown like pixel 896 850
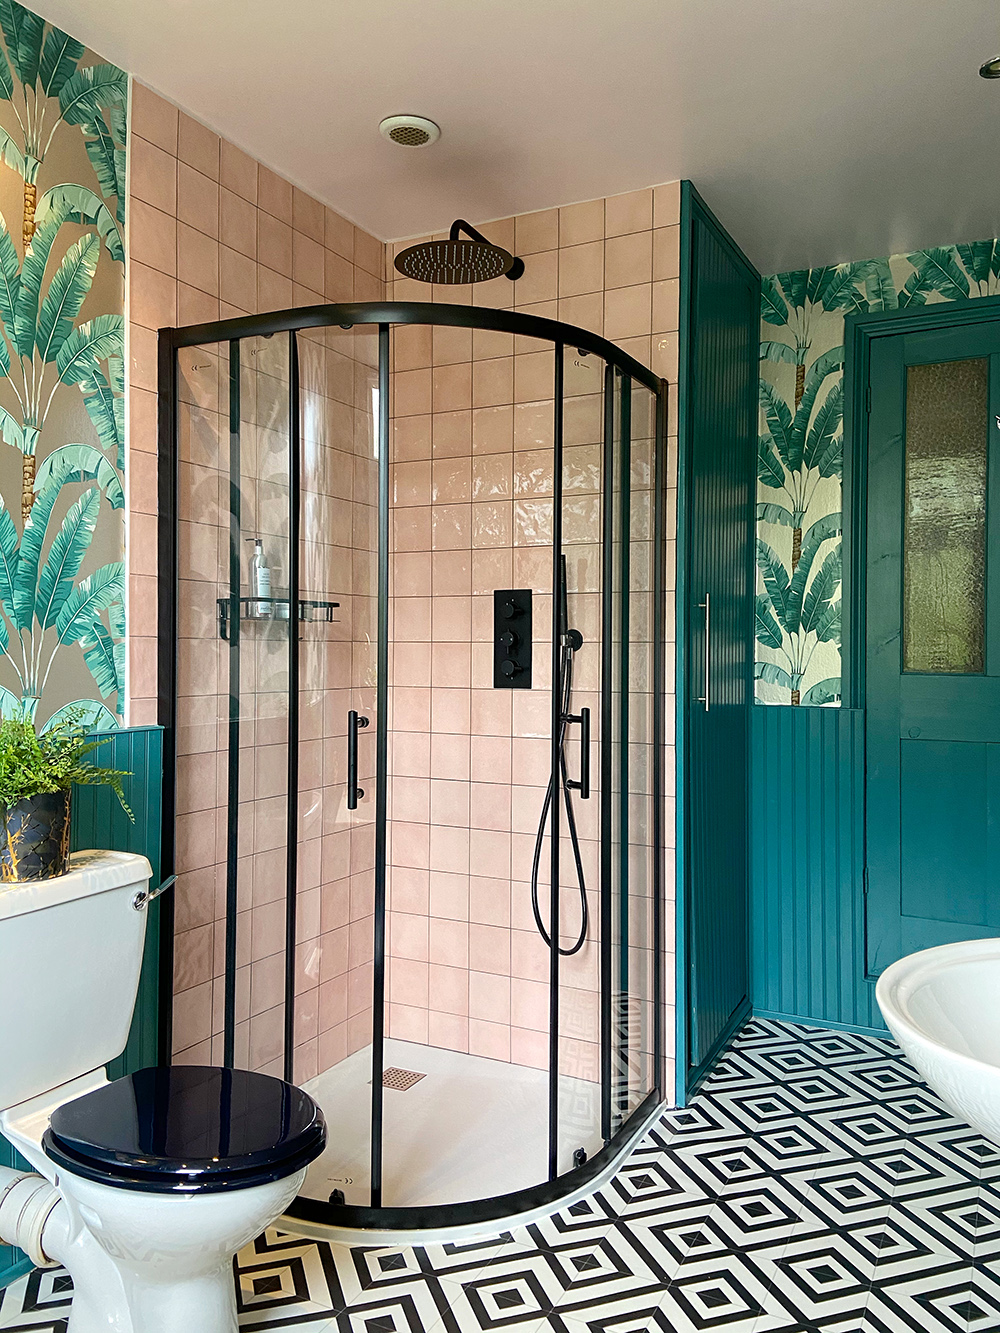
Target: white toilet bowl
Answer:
pixel 943 1007
pixel 161 1176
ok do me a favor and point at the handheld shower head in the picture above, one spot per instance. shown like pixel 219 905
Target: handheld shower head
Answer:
pixel 457 261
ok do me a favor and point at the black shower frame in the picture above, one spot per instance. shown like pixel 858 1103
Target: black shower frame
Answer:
pixel 384 316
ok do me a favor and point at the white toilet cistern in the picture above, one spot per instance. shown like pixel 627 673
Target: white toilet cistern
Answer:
pixel 148 1185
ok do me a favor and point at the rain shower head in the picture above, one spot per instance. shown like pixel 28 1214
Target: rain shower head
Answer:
pixel 457 261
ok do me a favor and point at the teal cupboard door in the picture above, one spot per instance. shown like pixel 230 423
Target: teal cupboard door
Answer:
pixel 720 341
pixel 933 641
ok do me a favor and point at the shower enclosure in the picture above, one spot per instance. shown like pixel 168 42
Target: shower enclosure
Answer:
pixel 421 768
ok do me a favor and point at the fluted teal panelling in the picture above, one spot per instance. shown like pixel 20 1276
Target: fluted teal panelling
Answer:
pixel 99 821
pixel 807 862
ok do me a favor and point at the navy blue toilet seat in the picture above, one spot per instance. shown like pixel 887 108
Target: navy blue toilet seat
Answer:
pixel 187 1129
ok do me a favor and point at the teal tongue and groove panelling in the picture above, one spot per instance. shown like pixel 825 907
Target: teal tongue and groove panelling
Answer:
pixel 99 821
pixel 807 867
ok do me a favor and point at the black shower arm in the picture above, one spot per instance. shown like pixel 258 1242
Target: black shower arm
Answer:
pixel 460 225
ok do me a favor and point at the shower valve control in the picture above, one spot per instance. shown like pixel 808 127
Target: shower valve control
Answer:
pixel 512 638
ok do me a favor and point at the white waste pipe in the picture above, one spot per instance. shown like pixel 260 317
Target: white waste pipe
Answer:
pixel 27 1202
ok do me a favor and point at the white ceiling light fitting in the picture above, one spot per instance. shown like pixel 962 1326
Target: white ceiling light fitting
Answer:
pixel 409 131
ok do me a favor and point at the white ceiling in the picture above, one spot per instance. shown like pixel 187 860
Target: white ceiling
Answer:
pixel 819 130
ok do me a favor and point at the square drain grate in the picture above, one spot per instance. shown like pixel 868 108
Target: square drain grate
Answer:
pixel 400 1079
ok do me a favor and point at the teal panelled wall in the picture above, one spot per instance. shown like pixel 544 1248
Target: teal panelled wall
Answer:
pixel 807 915
pixel 99 821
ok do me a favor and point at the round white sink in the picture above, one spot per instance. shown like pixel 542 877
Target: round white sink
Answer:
pixel 943 1007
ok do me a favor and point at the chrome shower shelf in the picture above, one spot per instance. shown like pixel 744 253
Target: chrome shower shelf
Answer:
pixel 273 608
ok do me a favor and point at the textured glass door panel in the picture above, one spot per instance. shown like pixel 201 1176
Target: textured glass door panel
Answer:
pixel 944 541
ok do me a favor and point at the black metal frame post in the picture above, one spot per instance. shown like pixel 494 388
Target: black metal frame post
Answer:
pixel 168 463
pixel 294 632
pixel 659 747
pixel 233 741
pixel 558 615
pixel 381 766
pixel 624 625
pixel 607 739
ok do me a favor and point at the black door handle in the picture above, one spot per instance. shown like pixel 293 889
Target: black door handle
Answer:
pixel 354 792
pixel 583 786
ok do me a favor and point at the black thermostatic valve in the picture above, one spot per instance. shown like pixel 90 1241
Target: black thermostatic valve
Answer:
pixel 512 639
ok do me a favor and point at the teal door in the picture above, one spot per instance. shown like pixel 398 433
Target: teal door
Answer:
pixel 933 640
pixel 719 339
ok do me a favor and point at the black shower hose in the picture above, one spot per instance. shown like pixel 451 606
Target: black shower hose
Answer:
pixel 565 695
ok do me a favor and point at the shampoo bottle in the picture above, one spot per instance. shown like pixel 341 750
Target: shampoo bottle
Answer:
pixel 260 579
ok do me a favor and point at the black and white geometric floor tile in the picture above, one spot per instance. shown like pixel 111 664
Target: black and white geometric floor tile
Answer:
pixel 814 1186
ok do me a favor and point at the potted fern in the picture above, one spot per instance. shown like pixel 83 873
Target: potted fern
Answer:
pixel 37 773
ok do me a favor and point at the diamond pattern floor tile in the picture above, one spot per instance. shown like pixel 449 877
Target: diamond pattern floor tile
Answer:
pixel 813 1186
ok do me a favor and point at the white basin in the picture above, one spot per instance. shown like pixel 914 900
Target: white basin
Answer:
pixel 943 1007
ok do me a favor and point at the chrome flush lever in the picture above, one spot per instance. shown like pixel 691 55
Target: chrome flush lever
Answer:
pixel 144 897
pixel 706 698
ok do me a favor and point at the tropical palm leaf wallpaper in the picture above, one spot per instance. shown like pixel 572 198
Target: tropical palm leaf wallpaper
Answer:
pixel 801 448
pixel 63 135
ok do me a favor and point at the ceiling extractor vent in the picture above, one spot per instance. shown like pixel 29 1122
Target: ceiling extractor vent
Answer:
pixel 409 131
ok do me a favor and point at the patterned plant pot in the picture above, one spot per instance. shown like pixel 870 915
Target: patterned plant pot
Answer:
pixel 35 837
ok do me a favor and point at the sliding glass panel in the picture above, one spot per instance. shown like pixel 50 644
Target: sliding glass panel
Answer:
pixel 259 630
pixel 202 702
pixel 579 1046
pixel 338 372
pixel 641 753
pixel 617 466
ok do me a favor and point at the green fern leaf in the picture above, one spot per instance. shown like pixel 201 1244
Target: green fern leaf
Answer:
pixel 67 292
pixel 55 582
pixel 776 514
pixel 880 289
pixel 766 628
pixel 823 366
pixel 10 279
pixel 769 469
pixel 939 271
pixel 84 96
pixel 104 399
pixel 775 351
pixel 823 692
pixel 90 714
pixel 6 79
pixel 795 285
pixel 26 576
pixel 779 419
pixel 101 150
pixel 825 428
pixel 775 577
pixel 22 31
pixel 824 529
pixel 79 463
pixel 94 594
pixel 99 654
pixel 32 272
pixel 60 56
pixel 822 591
pixel 773 307
pixel 77 203
pixel 96 340
pixel 772 674
pixel 9 556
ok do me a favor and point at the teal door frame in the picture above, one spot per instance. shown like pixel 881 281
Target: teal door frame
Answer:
pixel 694 213
pixel 860 333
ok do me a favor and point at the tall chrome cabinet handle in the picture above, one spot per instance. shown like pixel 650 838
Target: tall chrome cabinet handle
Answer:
pixel 354 792
pixel 706 698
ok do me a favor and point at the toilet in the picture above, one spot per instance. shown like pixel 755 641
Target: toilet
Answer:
pixel 147 1185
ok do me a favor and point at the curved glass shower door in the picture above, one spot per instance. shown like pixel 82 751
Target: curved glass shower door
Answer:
pixel 437 843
